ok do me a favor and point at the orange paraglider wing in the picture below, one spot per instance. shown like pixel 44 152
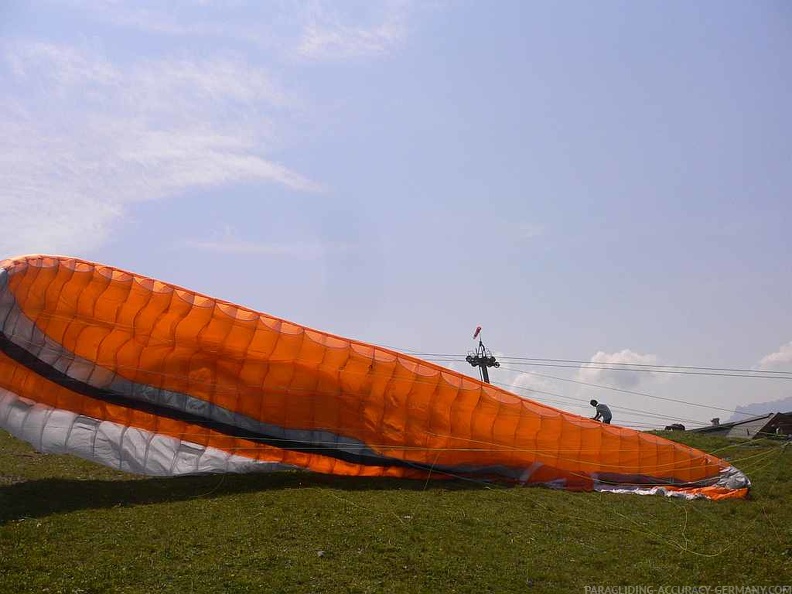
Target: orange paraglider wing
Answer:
pixel 151 378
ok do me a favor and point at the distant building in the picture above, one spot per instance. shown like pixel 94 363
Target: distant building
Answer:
pixel 762 426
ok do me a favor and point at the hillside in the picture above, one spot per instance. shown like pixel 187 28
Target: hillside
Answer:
pixel 70 526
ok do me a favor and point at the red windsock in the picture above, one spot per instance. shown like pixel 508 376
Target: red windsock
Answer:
pixel 476 333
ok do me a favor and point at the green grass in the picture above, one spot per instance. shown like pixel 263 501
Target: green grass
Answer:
pixel 71 526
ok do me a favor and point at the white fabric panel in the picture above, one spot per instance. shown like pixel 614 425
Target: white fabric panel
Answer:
pixel 134 447
pixel 730 477
pixel 78 368
pixel 160 454
pixel 107 442
pixel 17 416
pixel 100 377
pixel 81 438
pixel 647 491
pixel 56 431
pixel 34 427
pixel 212 457
pixel 133 450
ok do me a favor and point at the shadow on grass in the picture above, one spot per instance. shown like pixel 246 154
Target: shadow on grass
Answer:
pixel 44 497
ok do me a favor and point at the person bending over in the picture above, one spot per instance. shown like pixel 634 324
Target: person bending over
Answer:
pixel 603 412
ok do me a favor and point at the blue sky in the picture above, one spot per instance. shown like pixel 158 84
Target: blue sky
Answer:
pixel 607 182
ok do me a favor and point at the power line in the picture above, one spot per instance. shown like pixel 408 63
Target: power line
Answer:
pixel 634 367
pixel 624 390
pixel 690 367
pixel 756 375
pixel 632 411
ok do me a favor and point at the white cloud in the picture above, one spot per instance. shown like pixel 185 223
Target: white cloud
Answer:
pixel 326 35
pixel 527 383
pixel 546 390
pixel 228 242
pixel 171 18
pixel 227 80
pixel 612 369
pixel 83 138
pixel 59 67
pixel 314 30
pixel 85 133
pixel 331 42
pixel 782 358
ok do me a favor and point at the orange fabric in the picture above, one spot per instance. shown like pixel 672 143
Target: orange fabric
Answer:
pixel 294 377
pixel 19 380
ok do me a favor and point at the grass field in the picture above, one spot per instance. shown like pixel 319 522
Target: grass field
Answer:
pixel 70 526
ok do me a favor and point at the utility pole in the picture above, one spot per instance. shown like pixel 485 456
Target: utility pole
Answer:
pixel 481 357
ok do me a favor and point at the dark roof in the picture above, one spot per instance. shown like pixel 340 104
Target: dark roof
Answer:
pixel 749 427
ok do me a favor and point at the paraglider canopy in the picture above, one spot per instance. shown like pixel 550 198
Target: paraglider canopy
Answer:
pixel 152 378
